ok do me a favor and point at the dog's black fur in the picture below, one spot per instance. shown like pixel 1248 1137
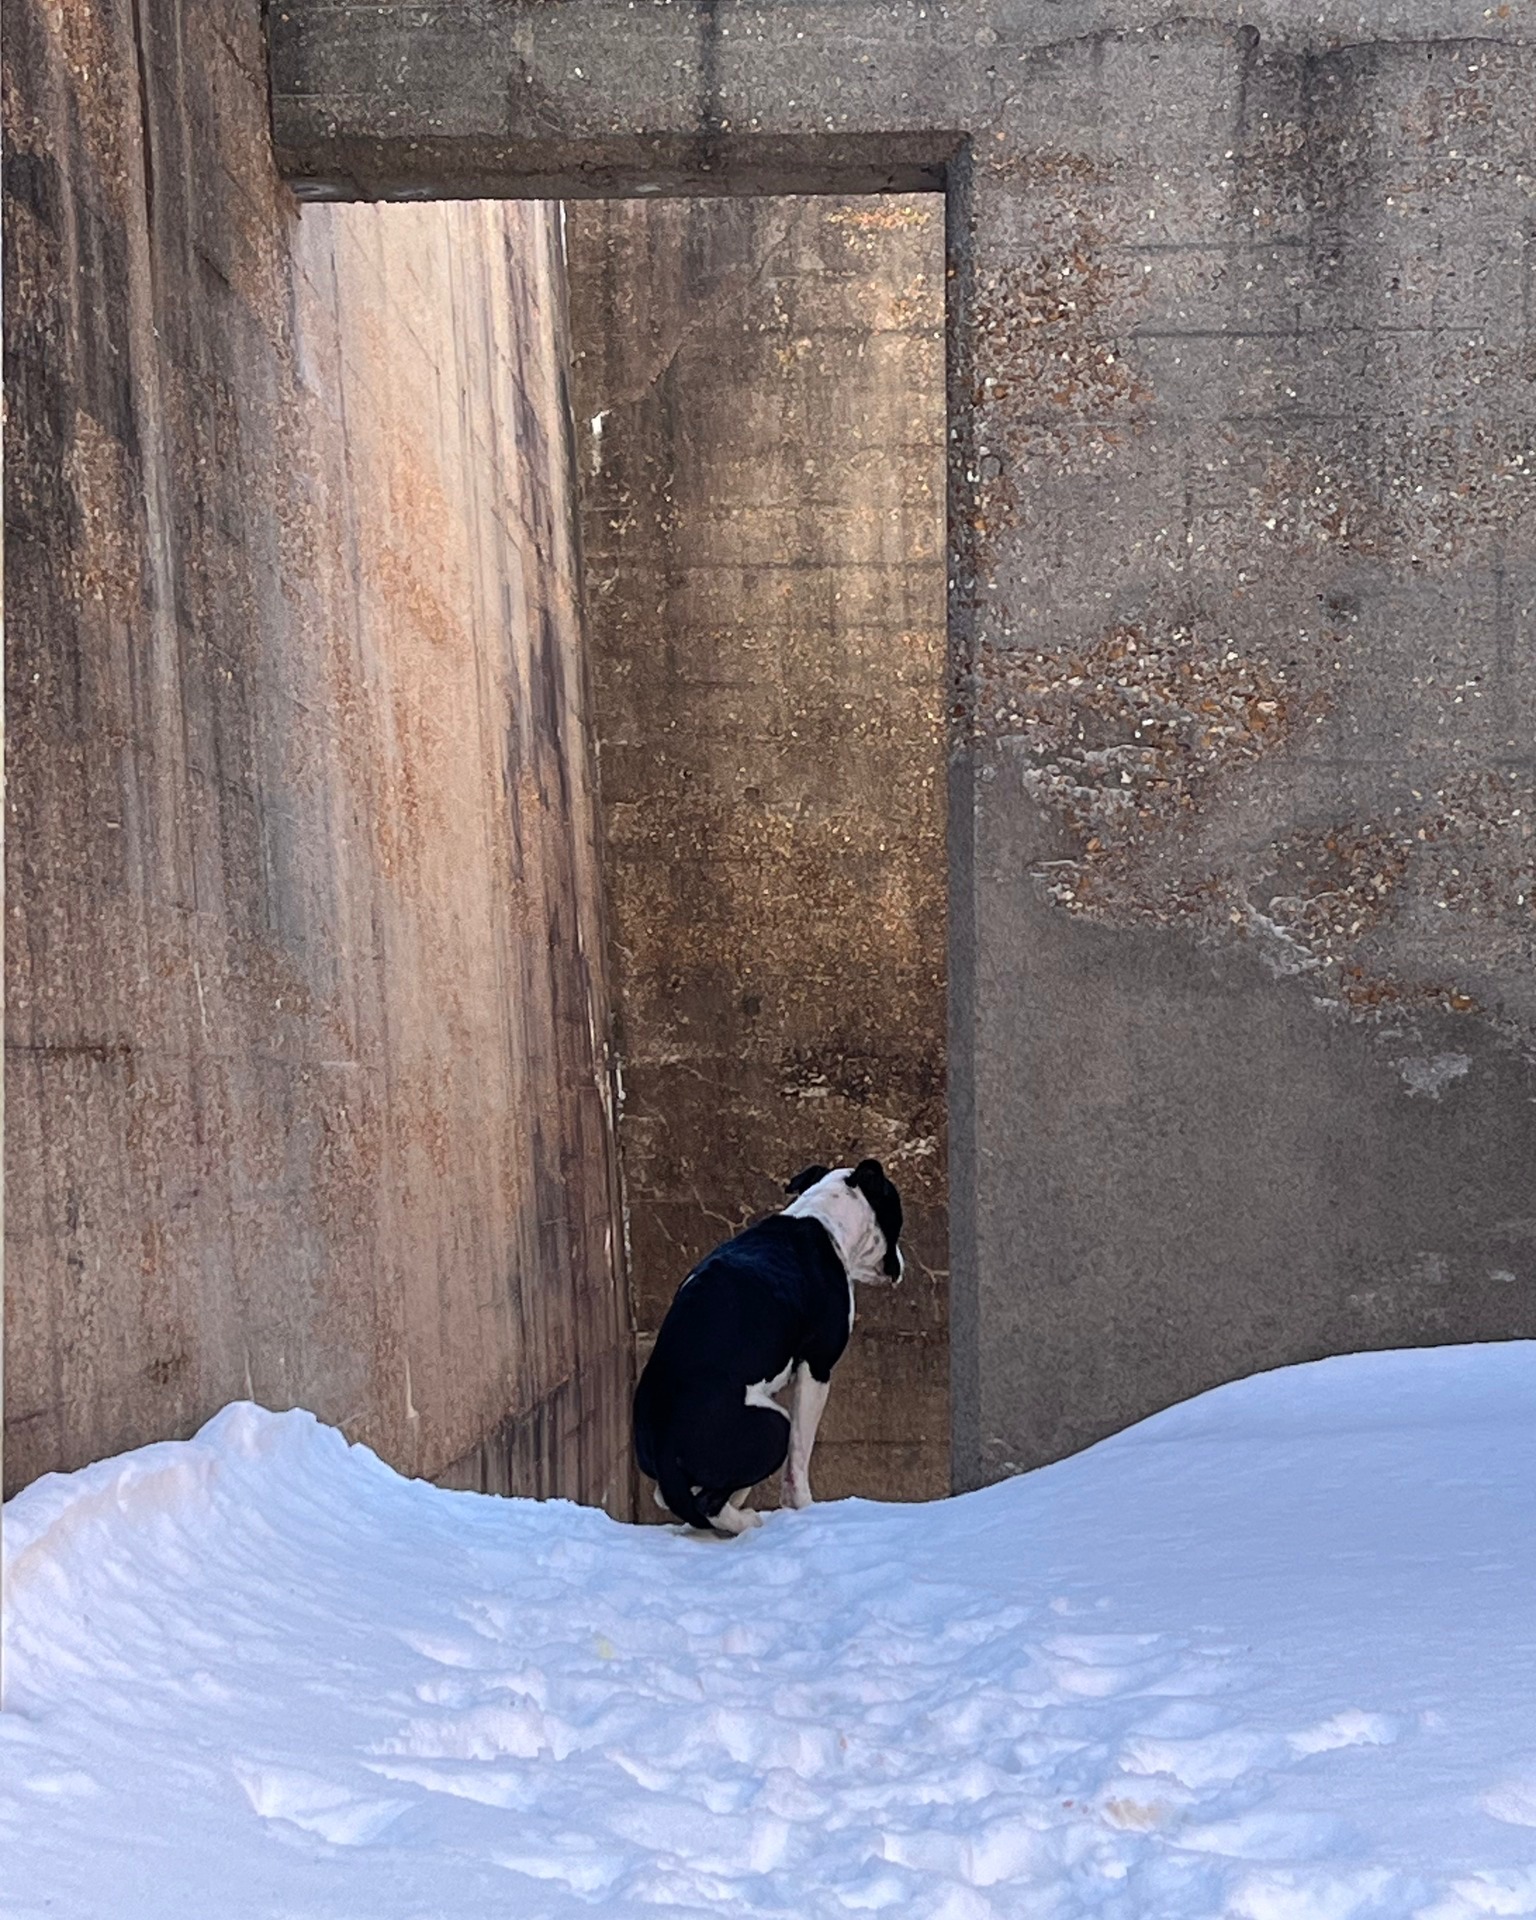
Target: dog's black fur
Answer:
pixel 771 1298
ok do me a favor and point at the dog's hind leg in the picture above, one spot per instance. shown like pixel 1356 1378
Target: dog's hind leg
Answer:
pixel 736 1516
pixel 736 1451
pixel 682 1495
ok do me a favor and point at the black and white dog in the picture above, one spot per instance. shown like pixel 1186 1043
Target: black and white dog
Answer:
pixel 774 1302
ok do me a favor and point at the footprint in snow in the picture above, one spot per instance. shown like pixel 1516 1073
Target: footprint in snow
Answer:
pixel 324 1807
pixel 1352 1728
pixel 1183 1719
pixel 1098 1666
pixel 574 1860
pixel 1205 1760
pixel 1510 1890
pixel 1269 1836
pixel 484 1786
pixel 70 1785
pixel 1107 1649
pixel 1513 1800
pixel 517 1730
pixel 444 1651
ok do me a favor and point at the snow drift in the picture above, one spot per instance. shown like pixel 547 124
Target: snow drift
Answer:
pixel 1271 1654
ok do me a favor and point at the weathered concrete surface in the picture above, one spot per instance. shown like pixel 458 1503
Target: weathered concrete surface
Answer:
pixel 472 97
pixel 1243 551
pixel 306 1014
pixel 760 412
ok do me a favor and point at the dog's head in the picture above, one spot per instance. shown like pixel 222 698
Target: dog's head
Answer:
pixel 862 1210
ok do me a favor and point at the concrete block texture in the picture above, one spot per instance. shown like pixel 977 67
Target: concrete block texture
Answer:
pixel 760 421
pixel 306 995
pixel 1242 511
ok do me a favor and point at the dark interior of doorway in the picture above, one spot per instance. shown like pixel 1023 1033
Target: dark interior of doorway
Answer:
pixel 760 407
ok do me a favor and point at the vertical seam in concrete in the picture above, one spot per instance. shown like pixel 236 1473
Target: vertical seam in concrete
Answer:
pixel 964 1282
pixel 621 1299
pixel 146 134
pixel 709 67
pixel 3 1061
pixel 1503 619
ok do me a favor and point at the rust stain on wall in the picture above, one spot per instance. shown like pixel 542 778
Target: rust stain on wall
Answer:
pixel 1049 332
pixel 1130 732
pixel 1132 742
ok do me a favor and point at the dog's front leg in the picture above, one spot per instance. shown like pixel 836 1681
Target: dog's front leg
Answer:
pixel 806 1404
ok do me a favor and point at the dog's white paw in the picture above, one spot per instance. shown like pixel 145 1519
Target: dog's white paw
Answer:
pixel 797 1493
pixel 736 1520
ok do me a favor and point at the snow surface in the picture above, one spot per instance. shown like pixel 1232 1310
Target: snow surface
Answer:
pixel 1271 1654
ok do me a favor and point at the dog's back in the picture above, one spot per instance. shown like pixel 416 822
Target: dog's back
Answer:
pixel 772 1297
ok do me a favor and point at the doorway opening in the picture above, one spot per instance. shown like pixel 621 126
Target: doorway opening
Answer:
pixel 759 393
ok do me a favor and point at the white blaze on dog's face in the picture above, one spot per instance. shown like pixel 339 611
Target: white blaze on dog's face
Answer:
pixel 861 1210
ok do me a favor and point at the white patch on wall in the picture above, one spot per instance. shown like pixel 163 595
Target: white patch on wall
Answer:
pixel 1431 1074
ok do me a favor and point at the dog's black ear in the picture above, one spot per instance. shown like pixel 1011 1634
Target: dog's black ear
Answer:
pixel 869 1178
pixel 806 1178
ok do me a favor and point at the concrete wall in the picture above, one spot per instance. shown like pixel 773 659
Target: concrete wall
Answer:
pixel 306 1014
pixel 1252 715
pixel 1243 620
pixel 760 406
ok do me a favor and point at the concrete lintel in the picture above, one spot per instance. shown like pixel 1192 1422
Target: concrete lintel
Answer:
pixel 589 98
pixel 357 168
pixel 471 98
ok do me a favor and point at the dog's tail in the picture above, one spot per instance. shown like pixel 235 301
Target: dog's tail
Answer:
pixel 677 1491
